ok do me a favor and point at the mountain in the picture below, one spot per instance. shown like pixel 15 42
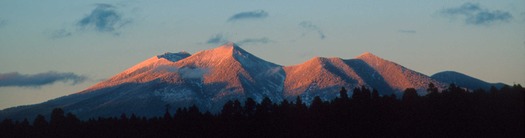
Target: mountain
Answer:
pixel 207 79
pixel 463 80
pixel 324 77
pixel 210 78
pixel 319 76
pixel 382 73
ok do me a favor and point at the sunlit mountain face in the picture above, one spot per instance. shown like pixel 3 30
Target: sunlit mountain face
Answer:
pixel 210 78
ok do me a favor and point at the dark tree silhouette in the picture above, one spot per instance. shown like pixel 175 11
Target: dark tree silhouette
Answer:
pixel 432 88
pixel 228 109
pixel 375 94
pixel 40 122
pixel 249 107
pixel 167 114
pixel 343 93
pixel 453 112
pixel 410 95
pixel 57 117
pixel 317 105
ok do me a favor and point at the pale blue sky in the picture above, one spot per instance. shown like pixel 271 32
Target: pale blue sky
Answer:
pixel 87 41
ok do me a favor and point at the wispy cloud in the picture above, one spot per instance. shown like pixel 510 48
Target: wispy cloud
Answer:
pixel 220 38
pixel 3 22
pixel 474 14
pixel 37 80
pixel 61 33
pixel 184 72
pixel 258 14
pixel 312 27
pixel 263 40
pixel 104 18
pixel 407 31
pixel 217 39
pixel 193 73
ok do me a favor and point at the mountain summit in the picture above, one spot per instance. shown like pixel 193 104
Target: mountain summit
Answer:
pixel 211 77
pixel 394 75
pixel 463 80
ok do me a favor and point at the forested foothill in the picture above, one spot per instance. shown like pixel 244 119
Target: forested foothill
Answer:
pixel 453 112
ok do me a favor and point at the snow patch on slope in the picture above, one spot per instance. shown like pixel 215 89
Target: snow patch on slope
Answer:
pixel 171 95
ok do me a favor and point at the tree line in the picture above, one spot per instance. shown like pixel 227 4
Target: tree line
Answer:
pixel 453 112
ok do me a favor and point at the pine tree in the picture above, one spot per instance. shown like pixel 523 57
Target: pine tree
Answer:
pixel 375 94
pixel 265 107
pixel 299 105
pixel 410 95
pixel 40 122
pixel 167 114
pixel 343 93
pixel 228 109
pixel 57 117
pixel 432 88
pixel 249 107
pixel 317 105
pixel 237 108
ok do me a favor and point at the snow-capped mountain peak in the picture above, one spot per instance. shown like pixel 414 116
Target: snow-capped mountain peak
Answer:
pixel 227 51
pixel 367 55
pixel 211 77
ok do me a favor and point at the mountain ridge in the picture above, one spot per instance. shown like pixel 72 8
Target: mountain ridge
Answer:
pixel 464 80
pixel 211 77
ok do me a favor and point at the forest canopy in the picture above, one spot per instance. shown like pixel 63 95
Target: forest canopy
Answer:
pixel 452 112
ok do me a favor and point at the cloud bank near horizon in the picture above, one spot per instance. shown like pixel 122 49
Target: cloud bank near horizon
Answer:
pixel 15 79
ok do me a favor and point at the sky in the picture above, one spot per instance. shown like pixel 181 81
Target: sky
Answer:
pixel 54 48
